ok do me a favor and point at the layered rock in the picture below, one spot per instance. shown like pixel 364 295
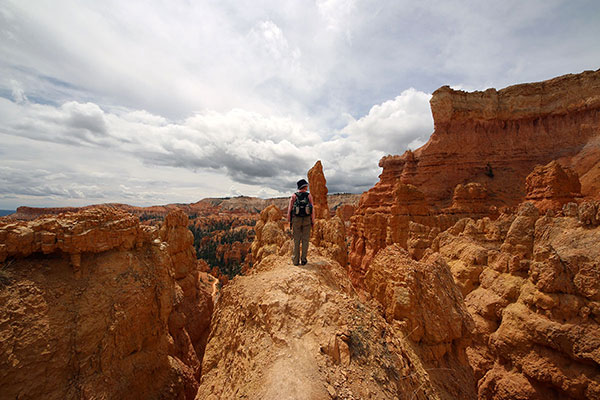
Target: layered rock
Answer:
pixel 497 137
pixel 96 305
pixel 93 231
pixel 484 146
pixel 532 285
pixel 551 186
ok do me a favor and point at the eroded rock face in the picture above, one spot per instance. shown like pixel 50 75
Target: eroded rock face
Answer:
pixel 551 186
pixel 93 231
pixel 189 322
pixel 484 146
pixel 496 137
pixel 422 296
pixel 384 217
pixel 532 286
pixel 471 198
pixel 95 305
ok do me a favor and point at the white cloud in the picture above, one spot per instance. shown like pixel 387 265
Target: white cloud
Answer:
pixel 214 94
pixel 392 125
pixel 336 14
pixel 250 148
pixel 18 94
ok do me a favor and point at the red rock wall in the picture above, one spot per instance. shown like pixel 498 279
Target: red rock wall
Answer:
pixel 484 146
pixel 96 305
pixel 512 130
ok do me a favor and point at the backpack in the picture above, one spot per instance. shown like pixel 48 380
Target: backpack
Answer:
pixel 302 206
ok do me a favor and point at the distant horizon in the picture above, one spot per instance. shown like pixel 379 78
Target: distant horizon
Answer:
pixel 157 103
pixel 166 204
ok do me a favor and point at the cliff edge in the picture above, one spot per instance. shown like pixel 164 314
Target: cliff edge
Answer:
pixel 96 305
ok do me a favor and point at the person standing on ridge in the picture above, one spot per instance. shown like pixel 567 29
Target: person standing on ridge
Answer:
pixel 301 218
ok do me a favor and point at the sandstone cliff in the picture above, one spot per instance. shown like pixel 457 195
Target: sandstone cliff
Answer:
pixel 95 305
pixel 497 137
pixel 484 146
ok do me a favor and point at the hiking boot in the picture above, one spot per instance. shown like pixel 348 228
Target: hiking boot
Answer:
pixel 304 262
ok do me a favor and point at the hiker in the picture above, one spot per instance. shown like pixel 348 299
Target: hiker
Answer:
pixel 301 218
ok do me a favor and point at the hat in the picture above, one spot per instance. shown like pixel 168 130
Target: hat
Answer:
pixel 301 183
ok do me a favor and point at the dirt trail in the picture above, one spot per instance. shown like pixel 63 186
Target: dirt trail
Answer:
pixel 300 332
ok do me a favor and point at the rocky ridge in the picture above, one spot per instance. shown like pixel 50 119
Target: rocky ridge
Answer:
pixel 302 332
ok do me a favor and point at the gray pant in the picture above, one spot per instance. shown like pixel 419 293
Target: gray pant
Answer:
pixel 301 232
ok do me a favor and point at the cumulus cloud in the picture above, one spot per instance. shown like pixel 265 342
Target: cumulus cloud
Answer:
pixel 394 124
pixel 250 148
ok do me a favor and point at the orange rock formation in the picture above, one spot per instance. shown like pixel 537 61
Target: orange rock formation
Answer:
pixel 532 285
pixel 96 305
pixel 328 234
pixel 497 137
pixel 270 234
pixel 318 191
pixel 551 186
pixel 297 332
pixel 484 146
pixel 471 198
pixel 392 212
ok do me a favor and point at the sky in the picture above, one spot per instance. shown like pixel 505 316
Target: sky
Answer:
pixel 156 102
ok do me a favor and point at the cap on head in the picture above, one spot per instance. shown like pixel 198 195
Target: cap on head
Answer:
pixel 301 183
